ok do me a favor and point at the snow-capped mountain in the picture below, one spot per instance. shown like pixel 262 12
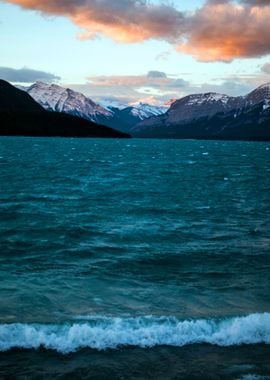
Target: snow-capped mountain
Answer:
pixel 138 110
pixel 133 114
pixel 191 115
pixel 56 98
pixel 21 115
pixel 114 114
pixel 144 110
pixel 208 116
pixel 192 107
pixel 260 94
pixel 111 104
pixel 200 105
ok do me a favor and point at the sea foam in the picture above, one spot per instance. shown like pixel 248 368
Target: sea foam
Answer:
pixel 109 333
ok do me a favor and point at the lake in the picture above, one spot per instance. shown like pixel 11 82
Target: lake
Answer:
pixel 134 259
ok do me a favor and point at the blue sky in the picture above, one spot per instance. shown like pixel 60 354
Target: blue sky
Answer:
pixel 47 42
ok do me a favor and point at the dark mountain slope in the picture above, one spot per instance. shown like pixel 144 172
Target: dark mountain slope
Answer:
pixel 21 115
pixel 251 123
pixel 213 116
pixel 53 97
pixel 13 99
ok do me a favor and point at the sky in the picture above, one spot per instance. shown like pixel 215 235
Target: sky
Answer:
pixel 137 50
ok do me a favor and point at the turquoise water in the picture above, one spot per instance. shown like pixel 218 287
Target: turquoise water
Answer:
pixel 114 244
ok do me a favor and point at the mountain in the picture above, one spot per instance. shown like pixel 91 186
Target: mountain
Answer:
pixel 56 98
pixel 15 100
pixel 192 107
pixel 260 94
pixel 132 115
pixel 212 115
pixel 113 114
pixel 143 111
pixel 20 114
pixel 111 104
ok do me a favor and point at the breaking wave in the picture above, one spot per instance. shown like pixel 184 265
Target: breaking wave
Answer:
pixel 109 333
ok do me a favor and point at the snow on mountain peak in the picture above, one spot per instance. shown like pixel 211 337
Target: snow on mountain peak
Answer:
pixel 144 110
pixel 56 98
pixel 260 94
pixel 209 97
pixel 265 85
pixel 109 104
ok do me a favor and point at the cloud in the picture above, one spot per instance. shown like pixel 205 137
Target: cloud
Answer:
pixel 153 79
pixel 153 85
pixel 266 68
pixel 163 56
pixel 158 90
pixel 178 83
pixel 221 30
pixel 156 74
pixel 26 75
pixel 254 3
pixel 229 86
pixel 258 3
pixel 224 31
pixel 119 81
pixel 122 20
pixel 133 89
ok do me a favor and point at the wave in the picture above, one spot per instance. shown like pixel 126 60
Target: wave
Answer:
pixel 109 333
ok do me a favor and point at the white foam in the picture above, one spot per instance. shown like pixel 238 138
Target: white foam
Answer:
pixel 105 332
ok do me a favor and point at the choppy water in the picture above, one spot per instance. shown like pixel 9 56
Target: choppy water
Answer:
pixel 157 250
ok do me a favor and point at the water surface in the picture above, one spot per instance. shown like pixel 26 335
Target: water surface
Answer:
pixel 156 243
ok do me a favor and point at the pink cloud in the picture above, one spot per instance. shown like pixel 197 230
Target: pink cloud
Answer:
pixel 221 30
pixel 228 31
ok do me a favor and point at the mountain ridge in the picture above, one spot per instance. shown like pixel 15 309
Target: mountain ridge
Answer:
pixel 194 111
pixel 20 114
pixel 53 97
pixel 187 117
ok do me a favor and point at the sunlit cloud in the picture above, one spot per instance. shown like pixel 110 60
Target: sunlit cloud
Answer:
pixel 123 20
pixel 152 80
pixel 160 89
pixel 225 31
pixel 154 87
pixel 221 30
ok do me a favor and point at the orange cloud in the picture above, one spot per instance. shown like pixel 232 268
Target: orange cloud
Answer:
pixel 123 20
pixel 221 30
pixel 228 31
